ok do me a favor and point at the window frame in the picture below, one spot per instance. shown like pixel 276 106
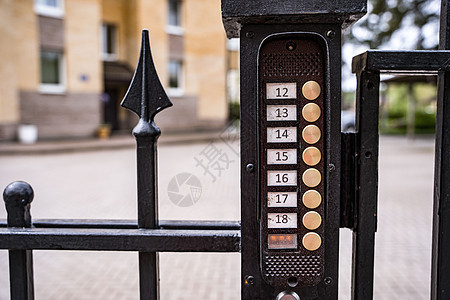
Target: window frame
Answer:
pixel 103 42
pixel 49 10
pixel 54 88
pixel 175 29
pixel 179 90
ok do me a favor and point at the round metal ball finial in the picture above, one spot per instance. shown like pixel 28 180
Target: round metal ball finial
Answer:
pixel 18 196
pixel 18 192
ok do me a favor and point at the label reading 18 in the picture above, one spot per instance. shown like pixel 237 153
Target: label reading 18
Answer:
pixel 287 90
pixel 282 220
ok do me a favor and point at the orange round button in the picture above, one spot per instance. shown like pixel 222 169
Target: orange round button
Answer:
pixel 311 156
pixel 311 134
pixel 311 90
pixel 311 177
pixel 312 220
pixel 312 199
pixel 311 112
pixel 311 241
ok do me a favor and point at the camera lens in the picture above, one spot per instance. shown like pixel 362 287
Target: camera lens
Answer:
pixel 290 46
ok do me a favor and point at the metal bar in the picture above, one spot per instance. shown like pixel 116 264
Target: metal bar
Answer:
pixel 440 266
pixel 402 61
pixel 348 177
pixel 18 197
pixel 146 97
pixel 131 224
pixel 367 108
pixel 144 240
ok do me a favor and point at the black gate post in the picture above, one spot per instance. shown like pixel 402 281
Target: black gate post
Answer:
pixel 290 54
pixel 18 196
pixel 367 107
pixel 440 268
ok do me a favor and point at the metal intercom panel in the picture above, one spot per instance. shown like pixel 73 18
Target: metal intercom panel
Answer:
pixel 291 96
pixel 290 155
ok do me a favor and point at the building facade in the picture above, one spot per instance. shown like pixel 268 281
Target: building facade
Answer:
pixel 66 64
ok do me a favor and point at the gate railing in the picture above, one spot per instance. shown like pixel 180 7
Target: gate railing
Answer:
pixel 148 235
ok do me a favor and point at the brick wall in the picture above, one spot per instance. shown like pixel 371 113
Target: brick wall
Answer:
pixel 61 116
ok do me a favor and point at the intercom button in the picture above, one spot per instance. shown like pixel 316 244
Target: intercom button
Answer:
pixel 311 90
pixel 311 112
pixel 312 199
pixel 312 220
pixel 311 177
pixel 311 156
pixel 311 241
pixel 311 134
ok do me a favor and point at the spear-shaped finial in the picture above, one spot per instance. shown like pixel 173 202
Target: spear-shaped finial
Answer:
pixel 146 95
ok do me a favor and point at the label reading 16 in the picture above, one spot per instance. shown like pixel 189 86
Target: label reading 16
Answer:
pixel 282 178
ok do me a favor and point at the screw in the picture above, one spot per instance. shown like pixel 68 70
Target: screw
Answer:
pixel 250 34
pixel 331 34
pixel 331 167
pixel 250 168
pixel 328 280
pixel 249 279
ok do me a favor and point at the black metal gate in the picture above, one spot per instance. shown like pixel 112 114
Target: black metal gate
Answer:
pixel 349 169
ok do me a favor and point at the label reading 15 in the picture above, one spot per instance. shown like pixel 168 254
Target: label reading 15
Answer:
pixel 281 156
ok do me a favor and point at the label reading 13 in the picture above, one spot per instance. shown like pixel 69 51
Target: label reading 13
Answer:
pixel 281 113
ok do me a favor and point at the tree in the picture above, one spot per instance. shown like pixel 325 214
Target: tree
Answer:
pixel 413 21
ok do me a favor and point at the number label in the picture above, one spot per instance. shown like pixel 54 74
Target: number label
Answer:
pixel 282 220
pixel 281 113
pixel 287 90
pixel 281 156
pixel 281 134
pixel 282 178
pixel 281 199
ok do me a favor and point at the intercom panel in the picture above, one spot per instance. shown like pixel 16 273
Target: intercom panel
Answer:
pixel 292 100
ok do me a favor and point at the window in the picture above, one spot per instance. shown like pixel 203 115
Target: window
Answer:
pixel 175 78
pixel 109 42
pixel 51 8
pixel 175 22
pixel 52 71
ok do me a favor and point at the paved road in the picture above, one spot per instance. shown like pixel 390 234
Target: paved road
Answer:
pixel 102 185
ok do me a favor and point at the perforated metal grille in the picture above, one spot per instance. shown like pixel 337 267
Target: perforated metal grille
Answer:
pixel 293 265
pixel 292 64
